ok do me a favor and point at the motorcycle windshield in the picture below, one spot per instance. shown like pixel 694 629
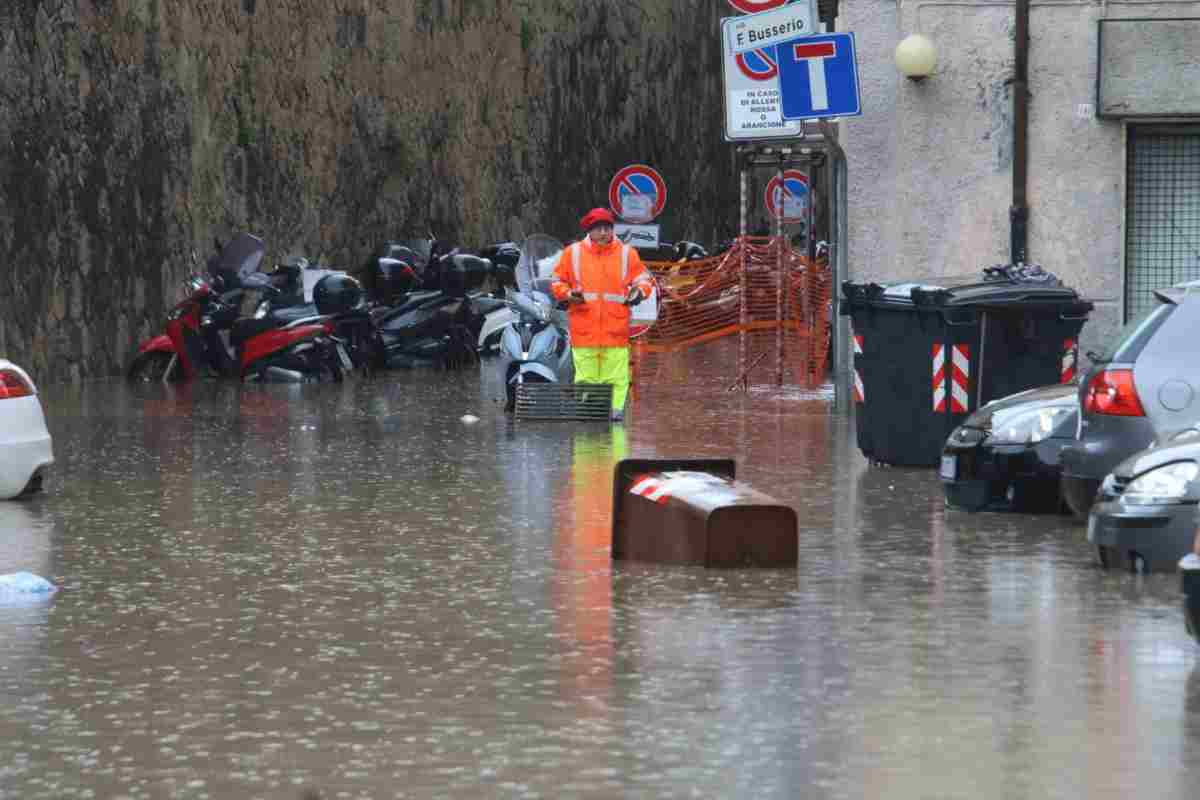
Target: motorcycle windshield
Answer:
pixel 539 257
pixel 422 249
pixel 527 306
pixel 240 256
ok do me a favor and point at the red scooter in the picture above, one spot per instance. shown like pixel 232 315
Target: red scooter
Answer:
pixel 280 345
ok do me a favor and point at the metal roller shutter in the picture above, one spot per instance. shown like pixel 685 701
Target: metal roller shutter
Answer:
pixel 1162 227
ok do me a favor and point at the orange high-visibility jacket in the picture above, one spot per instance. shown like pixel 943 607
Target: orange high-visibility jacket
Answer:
pixel 603 275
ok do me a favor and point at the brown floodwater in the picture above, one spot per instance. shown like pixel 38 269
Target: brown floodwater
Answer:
pixel 348 590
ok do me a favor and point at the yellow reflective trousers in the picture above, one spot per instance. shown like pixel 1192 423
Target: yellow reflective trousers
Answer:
pixel 604 365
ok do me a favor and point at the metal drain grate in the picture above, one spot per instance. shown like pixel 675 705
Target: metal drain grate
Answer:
pixel 564 401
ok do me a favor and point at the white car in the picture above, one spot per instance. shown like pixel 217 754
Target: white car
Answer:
pixel 25 449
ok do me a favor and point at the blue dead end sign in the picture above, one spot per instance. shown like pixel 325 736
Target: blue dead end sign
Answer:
pixel 637 193
pixel 818 77
pixel 788 197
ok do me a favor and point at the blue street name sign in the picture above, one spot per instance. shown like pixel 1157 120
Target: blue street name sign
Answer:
pixel 818 77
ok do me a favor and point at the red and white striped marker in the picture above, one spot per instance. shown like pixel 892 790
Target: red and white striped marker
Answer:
pixel 960 372
pixel 651 488
pixel 1069 360
pixel 859 394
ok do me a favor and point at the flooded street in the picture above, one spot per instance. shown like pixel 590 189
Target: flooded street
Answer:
pixel 348 589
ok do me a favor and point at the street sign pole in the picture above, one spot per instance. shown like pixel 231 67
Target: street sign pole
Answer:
pixel 779 278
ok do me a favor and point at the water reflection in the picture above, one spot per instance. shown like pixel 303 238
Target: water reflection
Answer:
pixel 345 587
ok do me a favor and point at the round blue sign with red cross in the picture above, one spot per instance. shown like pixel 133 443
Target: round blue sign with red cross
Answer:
pixel 758 65
pixel 788 197
pixel 637 193
pixel 755 6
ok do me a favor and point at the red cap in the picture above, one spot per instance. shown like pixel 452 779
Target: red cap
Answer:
pixel 595 217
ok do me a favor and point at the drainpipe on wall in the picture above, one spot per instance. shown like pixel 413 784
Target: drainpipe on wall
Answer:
pixel 1019 213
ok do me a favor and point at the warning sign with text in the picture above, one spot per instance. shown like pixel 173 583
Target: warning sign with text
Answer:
pixel 753 103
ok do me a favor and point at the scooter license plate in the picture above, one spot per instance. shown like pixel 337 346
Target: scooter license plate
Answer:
pixel 345 359
pixel 949 469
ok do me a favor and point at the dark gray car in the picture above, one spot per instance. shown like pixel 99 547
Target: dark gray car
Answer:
pixel 1143 386
pixel 1145 514
pixel 1006 454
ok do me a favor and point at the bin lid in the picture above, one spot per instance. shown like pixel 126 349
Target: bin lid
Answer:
pixel 963 292
pixel 997 293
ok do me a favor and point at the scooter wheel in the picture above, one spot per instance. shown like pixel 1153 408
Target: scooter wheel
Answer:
pixel 153 367
pixel 460 349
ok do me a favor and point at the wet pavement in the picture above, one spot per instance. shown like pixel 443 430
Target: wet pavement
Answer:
pixel 347 589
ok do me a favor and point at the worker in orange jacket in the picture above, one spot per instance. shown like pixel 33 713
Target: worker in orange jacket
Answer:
pixel 599 279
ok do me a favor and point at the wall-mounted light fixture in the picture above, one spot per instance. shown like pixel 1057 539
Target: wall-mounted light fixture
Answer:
pixel 915 57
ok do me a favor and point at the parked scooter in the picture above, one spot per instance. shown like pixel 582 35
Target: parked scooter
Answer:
pixel 307 349
pixel 497 315
pixel 211 302
pixel 535 346
pixel 295 302
pixel 429 310
pixel 208 333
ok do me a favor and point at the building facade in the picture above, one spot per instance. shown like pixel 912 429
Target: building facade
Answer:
pixel 1113 147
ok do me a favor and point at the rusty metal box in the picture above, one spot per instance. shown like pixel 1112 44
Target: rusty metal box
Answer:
pixel 692 511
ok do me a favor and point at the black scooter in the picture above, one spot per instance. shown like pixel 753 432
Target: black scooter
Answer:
pixel 427 305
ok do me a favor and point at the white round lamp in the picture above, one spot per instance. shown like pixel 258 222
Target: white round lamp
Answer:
pixel 915 57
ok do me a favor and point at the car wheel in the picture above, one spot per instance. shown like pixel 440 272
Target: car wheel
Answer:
pixel 34 486
pixel 153 367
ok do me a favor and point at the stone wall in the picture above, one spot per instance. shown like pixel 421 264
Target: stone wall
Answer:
pixel 132 132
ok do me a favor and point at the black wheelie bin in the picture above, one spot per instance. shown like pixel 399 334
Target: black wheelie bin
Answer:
pixel 926 356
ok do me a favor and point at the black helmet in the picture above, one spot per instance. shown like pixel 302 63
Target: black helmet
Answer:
pixel 336 294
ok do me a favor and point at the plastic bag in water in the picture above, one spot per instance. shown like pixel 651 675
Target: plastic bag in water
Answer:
pixel 25 586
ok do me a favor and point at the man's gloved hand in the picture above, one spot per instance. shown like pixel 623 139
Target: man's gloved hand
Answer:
pixel 633 296
pixel 575 296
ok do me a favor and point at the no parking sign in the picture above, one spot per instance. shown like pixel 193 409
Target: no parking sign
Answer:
pixel 637 193
pixel 787 198
pixel 758 65
pixel 755 6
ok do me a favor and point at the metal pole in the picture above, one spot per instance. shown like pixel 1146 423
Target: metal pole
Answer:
pixel 1019 213
pixel 743 315
pixel 979 369
pixel 779 275
pixel 840 246
pixel 806 283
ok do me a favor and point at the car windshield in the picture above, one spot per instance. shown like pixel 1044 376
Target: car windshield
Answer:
pixel 1136 333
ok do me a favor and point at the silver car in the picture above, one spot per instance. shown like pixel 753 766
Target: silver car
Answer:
pixel 1145 514
pixel 1147 384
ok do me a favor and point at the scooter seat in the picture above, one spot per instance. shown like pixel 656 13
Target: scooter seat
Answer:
pixel 485 305
pixel 293 313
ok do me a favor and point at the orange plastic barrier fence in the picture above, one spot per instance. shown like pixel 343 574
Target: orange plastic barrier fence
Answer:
pixel 762 291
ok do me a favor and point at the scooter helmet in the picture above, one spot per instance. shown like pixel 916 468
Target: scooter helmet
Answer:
pixel 337 294
pixel 597 216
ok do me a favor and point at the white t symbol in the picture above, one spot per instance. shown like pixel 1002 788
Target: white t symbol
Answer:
pixel 815 54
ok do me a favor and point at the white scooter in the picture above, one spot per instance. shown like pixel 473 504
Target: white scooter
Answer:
pixel 535 344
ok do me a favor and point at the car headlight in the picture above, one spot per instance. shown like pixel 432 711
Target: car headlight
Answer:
pixel 966 435
pixel 1166 484
pixel 1028 427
